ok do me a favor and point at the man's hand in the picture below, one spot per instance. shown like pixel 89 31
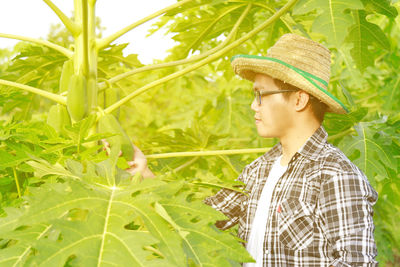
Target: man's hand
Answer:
pixel 139 164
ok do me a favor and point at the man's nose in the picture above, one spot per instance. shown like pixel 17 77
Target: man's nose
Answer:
pixel 254 105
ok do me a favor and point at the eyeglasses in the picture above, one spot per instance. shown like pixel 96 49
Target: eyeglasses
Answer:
pixel 258 94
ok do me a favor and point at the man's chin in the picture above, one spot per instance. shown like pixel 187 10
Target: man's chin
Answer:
pixel 265 134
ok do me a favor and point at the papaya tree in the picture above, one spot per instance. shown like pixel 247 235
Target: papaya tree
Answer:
pixel 66 201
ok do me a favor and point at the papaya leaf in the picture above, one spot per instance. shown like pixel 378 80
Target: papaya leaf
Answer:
pixel 99 237
pixel 380 6
pixel 370 150
pixel 333 19
pixel 191 223
pixel 17 254
pixel 43 168
pixel 92 221
pixel 363 35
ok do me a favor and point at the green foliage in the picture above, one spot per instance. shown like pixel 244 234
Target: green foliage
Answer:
pixel 66 202
pixel 334 18
pixel 97 216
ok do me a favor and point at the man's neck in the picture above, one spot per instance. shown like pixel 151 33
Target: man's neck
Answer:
pixel 295 139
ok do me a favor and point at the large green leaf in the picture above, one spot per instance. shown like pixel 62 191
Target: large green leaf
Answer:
pixel 363 35
pixel 191 222
pixel 370 150
pixel 333 19
pixel 92 222
pixel 380 6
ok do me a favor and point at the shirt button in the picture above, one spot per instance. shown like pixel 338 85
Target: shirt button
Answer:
pixel 266 252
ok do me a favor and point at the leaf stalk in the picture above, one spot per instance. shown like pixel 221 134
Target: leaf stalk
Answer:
pixel 54 97
pixel 205 61
pixel 119 77
pixel 102 43
pixel 66 52
pixel 208 153
pixel 16 182
pixel 69 24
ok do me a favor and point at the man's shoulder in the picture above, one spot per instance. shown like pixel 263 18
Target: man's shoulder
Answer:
pixel 333 160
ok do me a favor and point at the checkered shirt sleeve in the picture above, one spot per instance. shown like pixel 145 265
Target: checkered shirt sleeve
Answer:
pixel 229 202
pixel 345 209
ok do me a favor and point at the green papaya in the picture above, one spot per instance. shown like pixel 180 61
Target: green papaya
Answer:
pixel 66 73
pixel 58 117
pixel 77 97
pixel 109 124
pixel 92 94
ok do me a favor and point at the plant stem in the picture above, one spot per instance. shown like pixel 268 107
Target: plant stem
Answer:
pixel 224 158
pixel 85 38
pixel 16 182
pixel 188 163
pixel 208 153
pixel 209 59
pixel 56 98
pixel 341 134
pixel 108 40
pixel 361 100
pixel 119 77
pixel 66 52
pixel 69 24
pixel 272 11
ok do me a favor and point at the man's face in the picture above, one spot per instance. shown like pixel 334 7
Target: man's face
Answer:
pixel 273 116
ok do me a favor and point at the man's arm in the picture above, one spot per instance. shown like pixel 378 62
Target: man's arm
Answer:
pixel 345 204
pixel 228 202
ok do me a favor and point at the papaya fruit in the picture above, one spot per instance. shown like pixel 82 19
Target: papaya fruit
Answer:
pixel 66 73
pixel 109 124
pixel 58 118
pixel 77 101
pixel 92 94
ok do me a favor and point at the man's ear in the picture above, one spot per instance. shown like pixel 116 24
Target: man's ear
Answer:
pixel 301 100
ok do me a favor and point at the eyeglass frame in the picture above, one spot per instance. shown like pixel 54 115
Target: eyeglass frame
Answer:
pixel 259 94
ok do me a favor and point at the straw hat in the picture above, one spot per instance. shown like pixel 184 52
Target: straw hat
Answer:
pixel 295 60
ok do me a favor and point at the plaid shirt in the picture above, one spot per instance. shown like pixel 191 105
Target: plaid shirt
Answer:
pixel 320 212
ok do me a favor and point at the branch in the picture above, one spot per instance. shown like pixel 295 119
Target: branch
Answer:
pixel 272 11
pixel 181 61
pixel 57 98
pixel 102 43
pixel 208 153
pixel 85 38
pixel 69 24
pixel 205 61
pixel 62 50
pixel 341 134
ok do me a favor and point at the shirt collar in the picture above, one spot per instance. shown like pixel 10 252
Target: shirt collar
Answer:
pixel 311 149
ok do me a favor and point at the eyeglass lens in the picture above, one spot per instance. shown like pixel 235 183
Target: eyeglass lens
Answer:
pixel 257 96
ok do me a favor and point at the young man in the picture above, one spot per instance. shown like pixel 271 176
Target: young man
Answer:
pixel 306 203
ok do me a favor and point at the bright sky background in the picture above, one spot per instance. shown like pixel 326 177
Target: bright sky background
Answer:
pixel 32 18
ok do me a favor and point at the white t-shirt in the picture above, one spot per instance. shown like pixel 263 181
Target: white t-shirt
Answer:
pixel 255 244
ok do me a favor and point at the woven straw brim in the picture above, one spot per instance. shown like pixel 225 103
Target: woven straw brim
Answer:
pixel 247 68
